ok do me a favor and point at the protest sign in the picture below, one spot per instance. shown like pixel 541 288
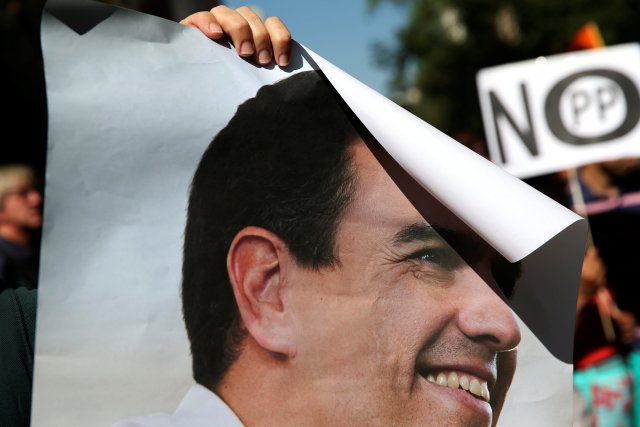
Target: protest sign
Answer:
pixel 562 111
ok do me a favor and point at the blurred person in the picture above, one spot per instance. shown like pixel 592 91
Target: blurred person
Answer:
pixel 17 339
pixel 20 222
pixel 601 375
pixel 611 193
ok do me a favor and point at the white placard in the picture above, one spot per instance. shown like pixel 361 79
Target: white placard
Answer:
pixel 562 111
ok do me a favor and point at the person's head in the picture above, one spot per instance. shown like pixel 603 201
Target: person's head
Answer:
pixel 281 164
pixel 306 265
pixel 20 201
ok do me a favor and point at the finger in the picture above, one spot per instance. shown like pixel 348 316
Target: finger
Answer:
pixel 280 39
pixel 205 22
pixel 237 28
pixel 261 39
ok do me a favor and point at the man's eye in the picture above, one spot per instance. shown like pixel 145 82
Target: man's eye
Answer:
pixel 437 257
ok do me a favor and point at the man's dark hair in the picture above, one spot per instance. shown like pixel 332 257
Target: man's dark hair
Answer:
pixel 283 164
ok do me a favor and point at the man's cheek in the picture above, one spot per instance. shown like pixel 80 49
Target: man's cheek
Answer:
pixel 397 330
pixel 335 329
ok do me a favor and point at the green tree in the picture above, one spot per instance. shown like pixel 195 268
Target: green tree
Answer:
pixel 444 43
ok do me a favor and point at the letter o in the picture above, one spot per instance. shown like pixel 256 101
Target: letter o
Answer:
pixel 552 107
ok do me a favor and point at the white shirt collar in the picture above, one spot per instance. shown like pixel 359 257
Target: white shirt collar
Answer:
pixel 202 407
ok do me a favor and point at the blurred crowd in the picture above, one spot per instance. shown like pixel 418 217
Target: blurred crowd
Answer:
pixel 607 338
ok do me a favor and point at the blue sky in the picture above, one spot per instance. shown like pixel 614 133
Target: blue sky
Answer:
pixel 342 32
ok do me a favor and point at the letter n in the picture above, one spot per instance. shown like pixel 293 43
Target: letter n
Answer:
pixel 526 134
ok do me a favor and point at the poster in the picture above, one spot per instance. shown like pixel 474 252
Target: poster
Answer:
pixel 437 258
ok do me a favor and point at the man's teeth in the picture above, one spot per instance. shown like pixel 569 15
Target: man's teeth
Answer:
pixel 468 383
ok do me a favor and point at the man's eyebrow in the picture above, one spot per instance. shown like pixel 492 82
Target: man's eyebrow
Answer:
pixel 420 232
pixel 414 233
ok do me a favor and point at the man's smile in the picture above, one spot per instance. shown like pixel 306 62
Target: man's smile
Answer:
pixel 460 391
pixel 467 382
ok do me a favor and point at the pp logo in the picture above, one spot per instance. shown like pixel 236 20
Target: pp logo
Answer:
pixel 592 106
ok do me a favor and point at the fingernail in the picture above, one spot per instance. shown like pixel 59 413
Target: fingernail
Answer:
pixel 264 57
pixel 246 48
pixel 283 59
pixel 215 28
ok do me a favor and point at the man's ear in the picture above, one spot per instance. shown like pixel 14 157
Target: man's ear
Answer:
pixel 257 262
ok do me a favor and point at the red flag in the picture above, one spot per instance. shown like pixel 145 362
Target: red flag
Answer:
pixel 587 37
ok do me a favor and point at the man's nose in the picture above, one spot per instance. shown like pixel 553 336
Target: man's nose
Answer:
pixel 484 317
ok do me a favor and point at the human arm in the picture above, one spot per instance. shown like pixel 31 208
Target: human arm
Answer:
pixel 626 323
pixel 592 277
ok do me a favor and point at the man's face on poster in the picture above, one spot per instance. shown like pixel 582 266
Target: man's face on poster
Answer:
pixel 401 331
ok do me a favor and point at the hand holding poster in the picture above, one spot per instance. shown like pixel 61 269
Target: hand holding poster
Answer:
pixel 337 267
